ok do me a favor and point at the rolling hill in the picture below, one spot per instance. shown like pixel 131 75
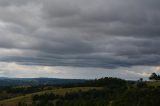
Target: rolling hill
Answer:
pixel 36 81
pixel 58 91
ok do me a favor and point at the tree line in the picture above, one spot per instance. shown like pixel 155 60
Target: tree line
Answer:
pixel 154 76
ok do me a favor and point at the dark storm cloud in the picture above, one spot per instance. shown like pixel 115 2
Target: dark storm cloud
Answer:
pixel 86 33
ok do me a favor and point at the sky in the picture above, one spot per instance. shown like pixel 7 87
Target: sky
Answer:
pixel 79 38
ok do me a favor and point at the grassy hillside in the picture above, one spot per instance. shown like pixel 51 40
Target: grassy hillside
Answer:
pixel 59 91
pixel 153 83
pixel 100 92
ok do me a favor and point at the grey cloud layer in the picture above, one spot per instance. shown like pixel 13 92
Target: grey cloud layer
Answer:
pixel 84 33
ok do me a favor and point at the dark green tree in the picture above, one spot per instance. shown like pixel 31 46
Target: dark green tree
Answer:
pixel 154 76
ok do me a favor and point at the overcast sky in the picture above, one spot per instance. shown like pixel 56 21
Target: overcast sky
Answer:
pixel 79 38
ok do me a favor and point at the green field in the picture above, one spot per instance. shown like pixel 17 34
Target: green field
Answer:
pixel 153 83
pixel 58 91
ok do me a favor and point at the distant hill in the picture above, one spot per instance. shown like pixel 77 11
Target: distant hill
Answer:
pixel 3 78
pixel 36 81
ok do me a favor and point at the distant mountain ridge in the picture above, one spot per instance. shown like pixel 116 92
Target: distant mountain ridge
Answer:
pixel 4 81
pixel 3 78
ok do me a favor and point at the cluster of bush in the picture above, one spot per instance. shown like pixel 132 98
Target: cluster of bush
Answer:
pixel 138 97
pixel 90 98
pixel 154 76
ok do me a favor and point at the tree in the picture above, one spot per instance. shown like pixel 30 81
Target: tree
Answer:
pixel 141 79
pixel 141 83
pixel 154 76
